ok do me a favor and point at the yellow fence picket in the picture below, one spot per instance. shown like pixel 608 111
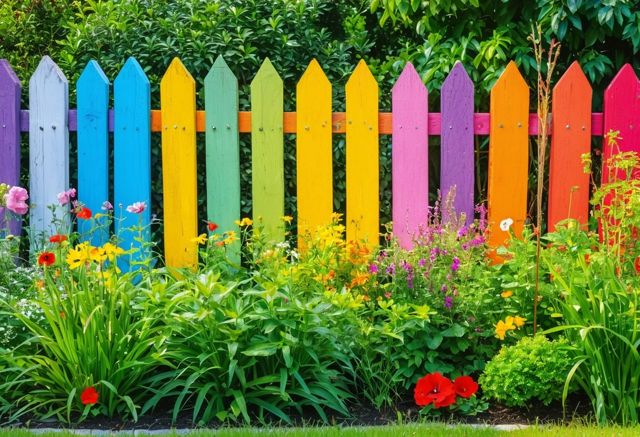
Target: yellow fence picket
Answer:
pixel 362 157
pixel 314 152
pixel 178 101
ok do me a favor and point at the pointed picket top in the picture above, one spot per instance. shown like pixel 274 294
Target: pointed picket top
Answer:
pixel 571 138
pixel 410 159
pixel 267 143
pixel 10 90
pixel 361 77
pixel 457 151
pixel 622 111
pixel 222 151
pixel 48 149
pixel 92 75
pixel 508 155
pixel 313 151
pixel 177 73
pixel 132 71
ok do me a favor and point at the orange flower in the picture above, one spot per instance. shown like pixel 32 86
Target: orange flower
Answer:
pixel 46 259
pixel 57 238
pixel 84 213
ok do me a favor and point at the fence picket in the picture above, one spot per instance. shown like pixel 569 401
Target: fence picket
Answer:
pixel 571 138
pixel 10 91
pixel 457 147
pixel 179 182
pixel 409 156
pixel 132 158
pixel 223 151
pixel 48 150
pixel 508 154
pixel 314 151
pixel 363 189
pixel 267 154
pixel 93 149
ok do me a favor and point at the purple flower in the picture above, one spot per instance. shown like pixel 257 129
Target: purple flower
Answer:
pixel 455 265
pixel 373 269
pixel 406 266
pixel 106 206
pixel 422 262
pixel 410 281
pixel 448 302
pixel 462 231
pixel 391 269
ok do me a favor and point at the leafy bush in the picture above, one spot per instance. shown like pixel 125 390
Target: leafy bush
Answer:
pixel 532 370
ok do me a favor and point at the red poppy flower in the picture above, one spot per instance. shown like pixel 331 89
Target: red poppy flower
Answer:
pixel 212 226
pixel 465 386
pixel 57 238
pixel 636 265
pixel 84 213
pixel 89 396
pixel 46 259
pixel 434 388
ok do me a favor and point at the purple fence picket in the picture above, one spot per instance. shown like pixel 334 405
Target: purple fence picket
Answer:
pixel 410 159
pixel 9 135
pixel 456 152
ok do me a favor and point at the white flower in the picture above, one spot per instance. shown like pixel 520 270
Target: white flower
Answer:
pixel 506 224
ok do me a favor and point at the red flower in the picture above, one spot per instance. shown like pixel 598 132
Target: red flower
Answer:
pixel 465 386
pixel 212 226
pixel 84 213
pixel 57 238
pixel 89 396
pixel 434 389
pixel 46 259
pixel 636 265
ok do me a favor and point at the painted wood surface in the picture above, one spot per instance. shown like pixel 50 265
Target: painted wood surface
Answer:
pixel 179 182
pixel 48 150
pixel 409 156
pixel 457 146
pixel 132 159
pixel 362 161
pixel 10 91
pixel 223 151
pixel 314 157
pixel 508 155
pixel 267 156
pixel 571 138
pixel 621 108
pixel 93 150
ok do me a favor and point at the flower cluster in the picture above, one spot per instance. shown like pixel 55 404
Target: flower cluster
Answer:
pixel 440 391
pixel 509 324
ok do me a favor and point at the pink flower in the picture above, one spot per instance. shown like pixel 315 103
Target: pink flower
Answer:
pixel 15 200
pixel 137 207
pixel 66 196
pixel 106 206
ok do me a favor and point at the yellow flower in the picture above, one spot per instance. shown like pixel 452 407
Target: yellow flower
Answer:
pixel 231 237
pixel 509 322
pixel 97 254
pixel 200 239
pixel 244 222
pixel 79 255
pixel 519 321
pixel 112 251
pixel 506 294
pixel 501 330
pixel 286 218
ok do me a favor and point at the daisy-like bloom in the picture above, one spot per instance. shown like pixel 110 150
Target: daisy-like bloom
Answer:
pixel 137 207
pixel 200 239
pixel 112 251
pixel 505 224
pixel 79 256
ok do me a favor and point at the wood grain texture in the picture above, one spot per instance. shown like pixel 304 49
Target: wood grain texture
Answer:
pixel 223 151
pixel 622 113
pixel 10 91
pixel 362 161
pixel 409 156
pixel 132 159
pixel 457 146
pixel 571 138
pixel 48 150
pixel 508 154
pixel 93 149
pixel 179 182
pixel 267 155
pixel 314 157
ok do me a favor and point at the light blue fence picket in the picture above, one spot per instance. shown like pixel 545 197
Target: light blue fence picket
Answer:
pixel 93 149
pixel 132 156
pixel 48 150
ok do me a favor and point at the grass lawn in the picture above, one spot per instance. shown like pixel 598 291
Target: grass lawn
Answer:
pixel 385 431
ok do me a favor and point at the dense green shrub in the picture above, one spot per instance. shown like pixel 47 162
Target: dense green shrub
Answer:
pixel 532 370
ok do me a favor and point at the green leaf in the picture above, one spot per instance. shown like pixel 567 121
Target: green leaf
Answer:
pixel 261 350
pixel 435 341
pixel 454 330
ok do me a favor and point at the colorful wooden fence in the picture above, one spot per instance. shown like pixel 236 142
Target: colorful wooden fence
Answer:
pixel 509 124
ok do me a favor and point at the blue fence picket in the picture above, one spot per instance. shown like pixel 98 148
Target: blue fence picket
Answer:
pixel 132 157
pixel 48 150
pixel 93 149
